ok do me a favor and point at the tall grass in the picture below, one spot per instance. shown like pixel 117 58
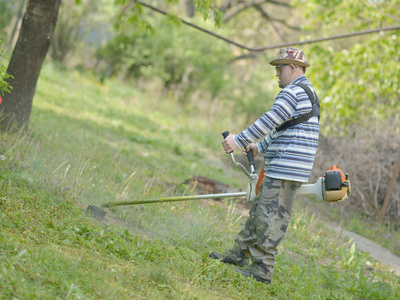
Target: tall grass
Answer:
pixel 117 139
pixel 91 143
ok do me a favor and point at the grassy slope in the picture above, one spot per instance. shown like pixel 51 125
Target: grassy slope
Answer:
pixel 90 144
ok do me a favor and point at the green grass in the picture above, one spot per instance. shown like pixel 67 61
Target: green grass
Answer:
pixel 386 234
pixel 92 143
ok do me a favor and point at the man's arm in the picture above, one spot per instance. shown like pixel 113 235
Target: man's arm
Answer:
pixel 281 111
pixel 263 144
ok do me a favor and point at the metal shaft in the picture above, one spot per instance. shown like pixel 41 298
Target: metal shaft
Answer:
pixel 174 199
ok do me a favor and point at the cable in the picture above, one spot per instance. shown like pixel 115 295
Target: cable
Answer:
pixel 258 49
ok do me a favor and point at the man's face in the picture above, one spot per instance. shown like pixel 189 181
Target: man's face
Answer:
pixel 284 74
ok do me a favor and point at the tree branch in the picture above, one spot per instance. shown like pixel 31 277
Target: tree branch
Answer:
pixel 245 5
pixel 334 37
pixel 266 16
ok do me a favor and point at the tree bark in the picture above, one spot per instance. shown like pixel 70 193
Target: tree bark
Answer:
pixel 29 53
pixel 190 9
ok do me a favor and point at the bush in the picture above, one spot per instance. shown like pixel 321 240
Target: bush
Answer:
pixel 370 157
pixel 178 56
pixel 199 70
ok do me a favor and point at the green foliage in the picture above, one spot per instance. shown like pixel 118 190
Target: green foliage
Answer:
pixel 137 18
pixel 208 10
pixel 134 18
pixel 78 28
pixel 178 56
pixel 6 14
pixel 174 19
pixel 386 235
pixel 4 85
pixel 188 64
pixel 358 79
pixel 353 88
pixel 361 13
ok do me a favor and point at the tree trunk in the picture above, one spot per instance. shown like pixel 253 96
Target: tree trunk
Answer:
pixel 189 8
pixel 33 43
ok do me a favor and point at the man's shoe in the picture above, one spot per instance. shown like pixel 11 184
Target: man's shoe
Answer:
pixel 248 274
pixel 227 260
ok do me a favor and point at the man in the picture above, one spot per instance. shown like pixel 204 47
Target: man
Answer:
pixel 287 135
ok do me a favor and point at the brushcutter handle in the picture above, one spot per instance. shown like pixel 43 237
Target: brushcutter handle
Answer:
pixel 225 135
pixel 250 158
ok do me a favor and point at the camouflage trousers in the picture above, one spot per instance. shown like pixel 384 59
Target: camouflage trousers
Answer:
pixel 266 226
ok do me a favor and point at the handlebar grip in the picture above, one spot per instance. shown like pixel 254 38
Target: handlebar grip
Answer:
pixel 225 135
pixel 250 157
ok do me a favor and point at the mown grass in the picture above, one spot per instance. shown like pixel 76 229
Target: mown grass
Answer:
pixel 92 143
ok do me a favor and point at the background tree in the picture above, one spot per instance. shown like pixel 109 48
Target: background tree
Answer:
pixel 33 43
pixel 81 28
pixel 358 81
pixel 26 61
pixel 359 78
pixel 10 21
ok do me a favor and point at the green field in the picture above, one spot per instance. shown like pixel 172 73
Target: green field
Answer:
pixel 92 143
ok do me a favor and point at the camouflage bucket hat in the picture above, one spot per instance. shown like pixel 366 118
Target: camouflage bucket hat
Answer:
pixel 290 55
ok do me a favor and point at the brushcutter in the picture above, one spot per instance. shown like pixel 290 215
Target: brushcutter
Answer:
pixel 334 186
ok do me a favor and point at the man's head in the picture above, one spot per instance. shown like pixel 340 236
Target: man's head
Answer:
pixel 289 63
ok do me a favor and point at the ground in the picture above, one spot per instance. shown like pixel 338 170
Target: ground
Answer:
pixel 379 253
pixel 363 244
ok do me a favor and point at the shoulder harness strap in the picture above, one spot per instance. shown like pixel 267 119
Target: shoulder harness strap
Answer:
pixel 304 117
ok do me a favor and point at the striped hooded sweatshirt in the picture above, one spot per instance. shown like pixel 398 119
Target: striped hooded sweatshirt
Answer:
pixel 288 154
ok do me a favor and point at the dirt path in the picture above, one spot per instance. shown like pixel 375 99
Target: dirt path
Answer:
pixel 363 244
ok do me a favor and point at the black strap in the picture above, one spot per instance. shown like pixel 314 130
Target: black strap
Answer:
pixel 304 117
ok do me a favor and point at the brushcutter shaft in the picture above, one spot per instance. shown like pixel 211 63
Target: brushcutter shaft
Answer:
pixel 174 199
pixel 252 176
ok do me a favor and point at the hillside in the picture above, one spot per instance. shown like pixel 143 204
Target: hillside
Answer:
pixel 91 143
